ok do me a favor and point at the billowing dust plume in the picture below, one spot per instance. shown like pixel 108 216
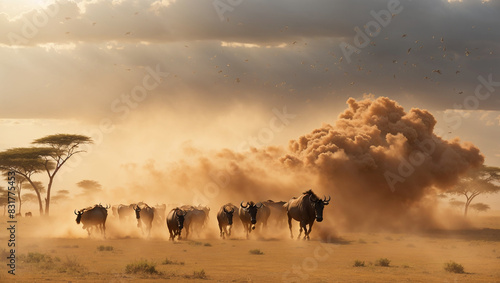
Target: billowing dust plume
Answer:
pixel 382 165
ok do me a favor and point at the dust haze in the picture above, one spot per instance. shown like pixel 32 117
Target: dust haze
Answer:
pixel 381 165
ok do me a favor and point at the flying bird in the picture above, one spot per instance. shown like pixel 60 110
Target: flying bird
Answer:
pixel 437 71
pixel 404 35
pixel 409 50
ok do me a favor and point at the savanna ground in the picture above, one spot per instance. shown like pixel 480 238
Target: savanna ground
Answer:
pixel 416 257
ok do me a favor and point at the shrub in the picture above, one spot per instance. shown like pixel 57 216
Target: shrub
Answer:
pixel 37 258
pixel 200 274
pixel 453 267
pixel 256 252
pixel 142 267
pixel 207 245
pixel 359 263
pixel 382 262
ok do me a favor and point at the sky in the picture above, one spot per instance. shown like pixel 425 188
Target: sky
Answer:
pixel 153 81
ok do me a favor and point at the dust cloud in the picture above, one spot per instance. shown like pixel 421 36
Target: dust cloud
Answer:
pixel 382 167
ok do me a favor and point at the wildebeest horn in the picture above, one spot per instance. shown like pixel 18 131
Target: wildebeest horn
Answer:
pixel 232 209
pixel 241 204
pixel 225 210
pixel 326 201
pixel 108 206
pixel 312 198
pixel 182 212
pixel 259 206
pixel 75 212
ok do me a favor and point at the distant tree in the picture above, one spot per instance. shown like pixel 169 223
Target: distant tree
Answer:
pixel 4 199
pixel 483 180
pixel 60 195
pixel 19 186
pixel 480 207
pixel 457 203
pixel 63 146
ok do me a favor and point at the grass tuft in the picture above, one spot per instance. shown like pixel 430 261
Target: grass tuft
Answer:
pixel 168 261
pixel 71 265
pixel 453 267
pixel 256 252
pixel 141 267
pixel 382 262
pixel 359 263
pixel 199 274
pixel 104 248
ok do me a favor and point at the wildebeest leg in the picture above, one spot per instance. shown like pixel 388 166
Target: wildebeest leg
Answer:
pixel 171 235
pixel 104 230
pixel 310 228
pixel 222 232
pixel 290 225
pixel 229 230
pixel 302 226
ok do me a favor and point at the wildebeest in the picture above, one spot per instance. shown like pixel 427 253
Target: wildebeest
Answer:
pixel 144 214
pixel 305 209
pixel 248 215
pixel 195 218
pixel 225 218
pixel 28 214
pixel 93 216
pixel 278 215
pixel 126 211
pixel 175 222
pixel 263 215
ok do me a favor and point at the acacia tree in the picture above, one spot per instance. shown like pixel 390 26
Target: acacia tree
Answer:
pixel 483 180
pixel 63 146
pixel 26 162
pixel 56 150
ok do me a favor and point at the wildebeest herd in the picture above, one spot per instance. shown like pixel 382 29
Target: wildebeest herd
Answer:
pixel 305 209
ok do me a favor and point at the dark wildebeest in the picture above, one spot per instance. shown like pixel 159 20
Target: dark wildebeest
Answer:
pixel 93 216
pixel 278 212
pixel 263 215
pixel 305 209
pixel 126 211
pixel 195 218
pixel 28 214
pixel 225 218
pixel 144 214
pixel 175 222
pixel 248 215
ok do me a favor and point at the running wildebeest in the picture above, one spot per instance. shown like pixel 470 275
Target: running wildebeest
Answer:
pixel 145 214
pixel 278 215
pixel 114 209
pixel 126 211
pixel 225 218
pixel 248 215
pixel 93 216
pixel 195 218
pixel 263 215
pixel 175 222
pixel 305 209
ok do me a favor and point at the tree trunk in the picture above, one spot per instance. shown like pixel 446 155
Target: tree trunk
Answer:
pixel 47 199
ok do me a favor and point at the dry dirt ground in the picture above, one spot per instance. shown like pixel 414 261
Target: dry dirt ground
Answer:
pixel 416 257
